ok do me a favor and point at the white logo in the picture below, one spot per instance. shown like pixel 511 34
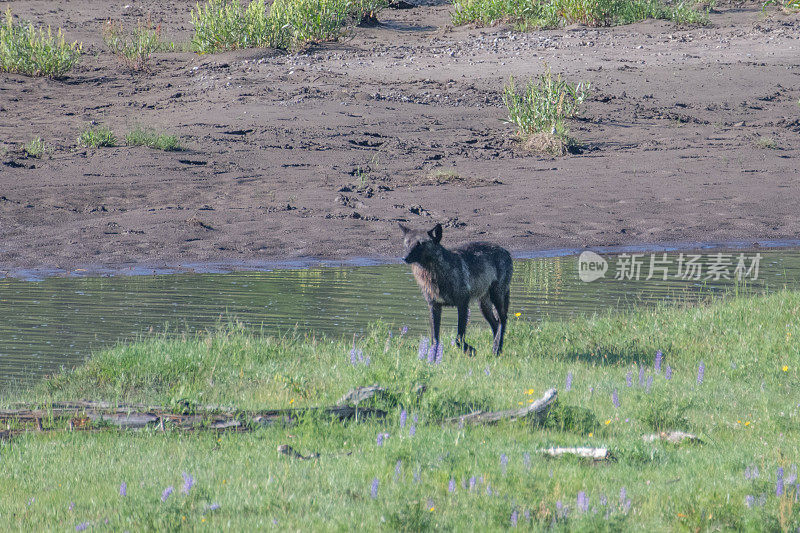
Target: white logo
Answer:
pixel 591 266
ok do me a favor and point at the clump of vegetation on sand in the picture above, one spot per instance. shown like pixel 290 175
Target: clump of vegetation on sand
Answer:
pixel 96 137
pixel 37 148
pixel 539 111
pixel 286 24
pixel 727 372
pixel 527 14
pixel 25 49
pixel 140 136
pixel 136 48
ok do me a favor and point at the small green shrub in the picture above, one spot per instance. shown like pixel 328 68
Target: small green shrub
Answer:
pixel 227 25
pixel 151 139
pixel 135 49
pixel 768 143
pixel 35 52
pixel 539 110
pixel 785 4
pixel 36 148
pixel 527 14
pixel 97 137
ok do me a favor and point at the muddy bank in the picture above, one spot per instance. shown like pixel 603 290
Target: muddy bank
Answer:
pixel 321 154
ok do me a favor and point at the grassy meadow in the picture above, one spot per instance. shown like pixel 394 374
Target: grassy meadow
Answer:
pixel 410 472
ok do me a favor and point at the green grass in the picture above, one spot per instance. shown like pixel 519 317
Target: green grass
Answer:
pixel 785 4
pixel 37 148
pixel 97 137
pixel 539 110
pixel 767 143
pixel 25 49
pixel 136 48
pixel 745 410
pixel 527 14
pixel 286 24
pixel 152 139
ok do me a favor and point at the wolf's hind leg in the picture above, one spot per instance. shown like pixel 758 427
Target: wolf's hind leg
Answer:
pixel 489 313
pixel 463 317
pixel 500 298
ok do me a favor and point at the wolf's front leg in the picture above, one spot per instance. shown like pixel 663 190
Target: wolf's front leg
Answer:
pixel 463 317
pixel 436 320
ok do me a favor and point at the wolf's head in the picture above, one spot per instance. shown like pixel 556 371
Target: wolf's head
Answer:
pixel 421 244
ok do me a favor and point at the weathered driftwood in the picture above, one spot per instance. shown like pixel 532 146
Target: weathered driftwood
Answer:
pixel 537 411
pixel 598 454
pixel 90 415
pixel 675 437
pixel 81 415
pixel 360 394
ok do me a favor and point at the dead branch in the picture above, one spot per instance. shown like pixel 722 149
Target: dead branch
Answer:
pixel 674 437
pixel 537 411
pixel 598 454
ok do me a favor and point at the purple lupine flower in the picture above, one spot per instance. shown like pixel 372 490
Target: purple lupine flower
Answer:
pixel 527 515
pixel 792 475
pixel 451 487
pixel 526 460
pixel 416 475
pixel 367 360
pixel 755 472
pixel 472 483
pixel 779 484
pixel 423 347
pixel 439 353
pixel 668 373
pixel 603 500
pixel 82 526
pixel 615 398
pixel 166 493
pixel 488 489
pixel 747 473
pixel 762 500
pixel 123 489
pixel 403 417
pixel 701 372
pixel 413 429
pixel 649 383
pixel 397 468
pixel 503 462
pixel 583 501
pixel 432 352
pixel 353 356
pixel 381 438
pixel 629 378
pixel 641 376
pixel 749 501
pixel 568 384
pixel 430 504
pixel 71 506
pixel 213 507
pixel 404 330
pixel 374 490
pixel 623 495
pixel 188 483
pixel 514 516
pixel 657 364
pixel 486 370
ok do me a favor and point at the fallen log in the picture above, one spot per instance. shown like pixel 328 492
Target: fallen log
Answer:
pixel 598 454
pixel 81 415
pixel 674 437
pixel 537 411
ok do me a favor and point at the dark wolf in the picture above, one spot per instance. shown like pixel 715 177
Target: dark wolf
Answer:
pixel 476 271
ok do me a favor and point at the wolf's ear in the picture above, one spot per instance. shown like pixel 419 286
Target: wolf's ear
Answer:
pixel 403 228
pixel 436 233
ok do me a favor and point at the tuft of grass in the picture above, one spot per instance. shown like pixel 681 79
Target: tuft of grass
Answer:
pixel 97 137
pixel 37 148
pixel 539 110
pixel 745 411
pixel 286 24
pixel 527 14
pixel 146 137
pixel 768 143
pixel 789 5
pixel 137 47
pixel 35 52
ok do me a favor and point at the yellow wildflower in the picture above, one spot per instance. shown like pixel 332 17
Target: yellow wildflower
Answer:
pixel 785 368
